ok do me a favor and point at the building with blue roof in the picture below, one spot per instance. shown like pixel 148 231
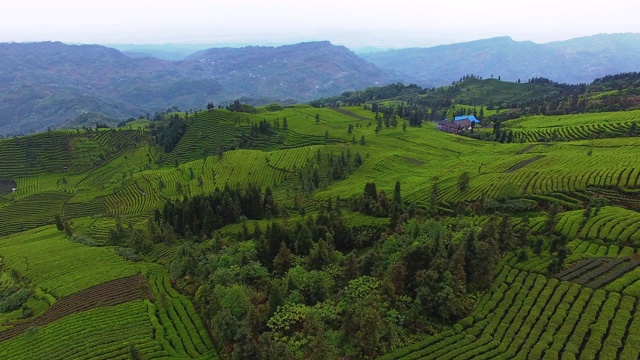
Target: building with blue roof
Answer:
pixel 467 117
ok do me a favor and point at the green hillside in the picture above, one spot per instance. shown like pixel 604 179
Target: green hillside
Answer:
pixel 302 232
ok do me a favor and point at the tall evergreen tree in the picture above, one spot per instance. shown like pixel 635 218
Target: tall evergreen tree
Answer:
pixel 304 241
pixel 283 261
pixel 463 181
pixel 269 204
pixel 397 196
pixel 59 223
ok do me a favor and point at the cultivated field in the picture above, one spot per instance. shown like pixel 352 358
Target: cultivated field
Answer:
pixel 89 301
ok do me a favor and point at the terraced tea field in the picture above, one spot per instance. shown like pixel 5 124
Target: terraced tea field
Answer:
pixel 572 127
pixel 589 311
pixel 32 211
pixel 96 304
pixel 110 293
pixel 101 333
pixel 612 225
pixel 59 266
pixel 131 183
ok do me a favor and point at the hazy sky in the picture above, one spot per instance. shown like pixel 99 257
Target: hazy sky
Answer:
pixel 354 23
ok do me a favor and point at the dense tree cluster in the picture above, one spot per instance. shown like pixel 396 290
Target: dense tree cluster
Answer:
pixel 378 204
pixel 572 99
pixel 624 81
pixel 356 98
pixel 240 107
pixel 168 135
pixel 320 289
pixel 135 241
pixel 389 115
pixel 14 292
pixel 202 214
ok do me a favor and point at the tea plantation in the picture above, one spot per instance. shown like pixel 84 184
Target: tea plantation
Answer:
pixel 569 184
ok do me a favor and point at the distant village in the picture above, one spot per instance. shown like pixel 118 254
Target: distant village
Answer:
pixel 459 124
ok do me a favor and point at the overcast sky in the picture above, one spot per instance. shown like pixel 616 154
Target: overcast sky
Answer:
pixel 354 23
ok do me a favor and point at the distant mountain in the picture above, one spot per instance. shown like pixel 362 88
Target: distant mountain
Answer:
pixel 579 60
pixel 171 52
pixel 51 84
pixel 156 54
pixel 305 71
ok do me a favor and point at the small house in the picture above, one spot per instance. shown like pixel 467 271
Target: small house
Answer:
pixel 455 127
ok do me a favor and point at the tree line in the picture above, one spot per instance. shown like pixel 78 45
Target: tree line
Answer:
pixel 203 214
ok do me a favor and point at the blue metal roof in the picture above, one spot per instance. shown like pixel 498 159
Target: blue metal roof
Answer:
pixel 468 117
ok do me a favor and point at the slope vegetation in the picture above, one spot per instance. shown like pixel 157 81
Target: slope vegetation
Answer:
pixel 134 221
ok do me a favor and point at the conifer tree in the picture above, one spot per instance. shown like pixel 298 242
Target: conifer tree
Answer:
pixel 59 223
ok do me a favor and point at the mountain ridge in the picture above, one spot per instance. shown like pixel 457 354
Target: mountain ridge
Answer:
pixel 570 61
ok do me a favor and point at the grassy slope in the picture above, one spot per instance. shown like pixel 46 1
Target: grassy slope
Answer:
pixel 58 266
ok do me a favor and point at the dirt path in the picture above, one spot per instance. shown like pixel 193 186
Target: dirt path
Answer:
pixel 527 148
pixel 114 292
pixel 523 163
pixel 349 113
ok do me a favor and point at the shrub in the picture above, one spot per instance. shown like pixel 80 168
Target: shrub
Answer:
pixel 84 240
pixel 128 254
pixel 27 312
pixel 15 300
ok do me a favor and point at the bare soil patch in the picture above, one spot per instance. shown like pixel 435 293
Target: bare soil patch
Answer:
pixel 110 293
pixel 6 186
